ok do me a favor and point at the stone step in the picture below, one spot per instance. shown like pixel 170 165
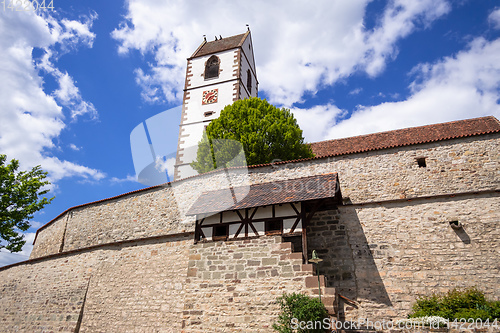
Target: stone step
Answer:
pixel 329 291
pixel 287 246
pixel 308 268
pixel 312 281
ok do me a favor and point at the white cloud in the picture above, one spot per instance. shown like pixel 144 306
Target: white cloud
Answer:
pixel 356 91
pixel 7 258
pixel 30 118
pixel 298 48
pixel 317 121
pixel 494 18
pixel 464 86
pixel 163 164
pixel 74 147
pixel 69 95
pixel 129 178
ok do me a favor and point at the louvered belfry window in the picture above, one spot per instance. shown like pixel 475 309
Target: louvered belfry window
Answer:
pixel 212 67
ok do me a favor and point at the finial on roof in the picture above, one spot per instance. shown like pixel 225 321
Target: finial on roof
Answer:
pixel 215 37
pixel 205 38
pixel 220 37
pixel 248 27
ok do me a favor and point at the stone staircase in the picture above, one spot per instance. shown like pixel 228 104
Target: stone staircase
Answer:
pixel 328 294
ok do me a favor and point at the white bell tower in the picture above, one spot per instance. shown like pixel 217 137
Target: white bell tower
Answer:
pixel 218 73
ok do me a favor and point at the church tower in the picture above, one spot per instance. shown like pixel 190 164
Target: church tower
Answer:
pixel 218 73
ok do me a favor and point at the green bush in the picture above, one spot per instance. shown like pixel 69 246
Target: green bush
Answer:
pixel 300 308
pixel 457 304
pixel 472 313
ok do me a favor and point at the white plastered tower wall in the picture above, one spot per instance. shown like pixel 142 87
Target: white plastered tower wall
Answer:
pixel 236 64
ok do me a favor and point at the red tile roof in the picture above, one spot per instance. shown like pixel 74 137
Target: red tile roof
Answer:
pixel 407 136
pixel 283 191
pixel 220 45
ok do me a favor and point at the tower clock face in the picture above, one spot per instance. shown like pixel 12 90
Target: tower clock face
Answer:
pixel 210 96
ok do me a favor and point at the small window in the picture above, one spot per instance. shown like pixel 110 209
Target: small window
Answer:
pixel 249 81
pixel 208 113
pixel 212 68
pixel 220 232
pixel 274 227
pixel 421 162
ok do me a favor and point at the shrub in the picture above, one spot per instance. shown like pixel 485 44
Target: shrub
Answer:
pixel 457 304
pixel 301 308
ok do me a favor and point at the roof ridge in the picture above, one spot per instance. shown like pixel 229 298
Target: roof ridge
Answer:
pixel 411 127
pixel 493 118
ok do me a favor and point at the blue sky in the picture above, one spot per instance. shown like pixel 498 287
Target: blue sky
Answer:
pixel 75 81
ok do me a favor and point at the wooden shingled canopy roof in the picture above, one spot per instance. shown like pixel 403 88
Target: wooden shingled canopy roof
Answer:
pixel 277 192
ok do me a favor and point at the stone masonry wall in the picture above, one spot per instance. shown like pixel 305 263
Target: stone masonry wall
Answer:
pixel 138 288
pixel 129 287
pixel 143 214
pixel 232 286
pixel 459 165
pixel 51 240
pixel 45 296
pixel 386 255
pixel 139 215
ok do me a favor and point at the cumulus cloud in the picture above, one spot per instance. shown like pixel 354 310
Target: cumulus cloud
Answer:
pixel 69 95
pixel 462 86
pixel 128 178
pixel 494 18
pixel 163 164
pixel 298 48
pixel 316 122
pixel 31 118
pixel 74 147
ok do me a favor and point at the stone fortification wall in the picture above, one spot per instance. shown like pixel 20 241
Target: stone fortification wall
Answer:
pixel 164 284
pixel 232 286
pixel 386 255
pixel 50 240
pixel 128 287
pixel 139 215
pixel 45 296
pixel 459 165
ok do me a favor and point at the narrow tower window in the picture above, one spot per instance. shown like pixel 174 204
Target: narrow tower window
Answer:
pixel 212 67
pixel 249 81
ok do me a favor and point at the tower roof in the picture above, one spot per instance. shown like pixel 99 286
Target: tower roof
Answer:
pixel 220 45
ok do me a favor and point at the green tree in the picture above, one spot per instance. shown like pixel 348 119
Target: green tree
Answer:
pixel 265 132
pixel 19 199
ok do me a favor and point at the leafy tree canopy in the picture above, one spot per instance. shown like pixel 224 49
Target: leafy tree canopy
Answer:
pixel 265 132
pixel 19 200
